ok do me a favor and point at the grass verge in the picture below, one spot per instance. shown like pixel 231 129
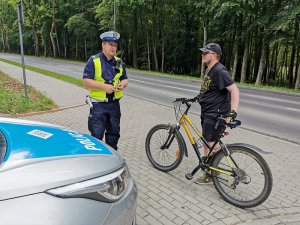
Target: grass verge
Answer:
pixel 59 76
pixel 13 100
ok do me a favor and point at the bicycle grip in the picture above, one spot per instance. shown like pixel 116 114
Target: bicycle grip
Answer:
pixel 180 99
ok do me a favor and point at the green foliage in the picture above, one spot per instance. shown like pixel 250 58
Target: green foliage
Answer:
pixel 164 35
pixel 77 24
pixel 104 15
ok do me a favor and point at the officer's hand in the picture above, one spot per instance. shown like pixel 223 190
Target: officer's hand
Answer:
pixel 120 86
pixel 109 88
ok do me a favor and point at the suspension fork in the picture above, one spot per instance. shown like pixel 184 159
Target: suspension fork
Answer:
pixel 171 136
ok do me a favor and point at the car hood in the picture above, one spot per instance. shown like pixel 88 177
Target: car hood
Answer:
pixel 39 156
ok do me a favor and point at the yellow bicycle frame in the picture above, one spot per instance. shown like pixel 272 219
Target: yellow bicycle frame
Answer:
pixel 185 121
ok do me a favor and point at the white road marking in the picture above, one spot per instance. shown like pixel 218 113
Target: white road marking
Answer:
pixel 269 105
pixel 269 98
pixel 293 109
pixel 166 86
pixel 197 85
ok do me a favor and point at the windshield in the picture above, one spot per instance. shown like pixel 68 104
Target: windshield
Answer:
pixel 3 146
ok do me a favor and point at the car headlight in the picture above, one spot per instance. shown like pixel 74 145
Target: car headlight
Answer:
pixel 108 188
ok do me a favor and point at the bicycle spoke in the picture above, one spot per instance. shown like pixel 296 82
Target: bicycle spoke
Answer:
pixel 248 185
pixel 165 157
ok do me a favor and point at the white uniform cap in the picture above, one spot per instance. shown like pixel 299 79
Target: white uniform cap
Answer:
pixel 110 36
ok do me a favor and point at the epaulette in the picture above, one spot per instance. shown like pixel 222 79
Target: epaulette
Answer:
pixel 95 56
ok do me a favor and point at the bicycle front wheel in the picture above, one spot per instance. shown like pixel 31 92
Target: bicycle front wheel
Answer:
pixel 253 183
pixel 164 148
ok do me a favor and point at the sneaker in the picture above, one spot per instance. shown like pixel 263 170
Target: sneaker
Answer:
pixel 204 178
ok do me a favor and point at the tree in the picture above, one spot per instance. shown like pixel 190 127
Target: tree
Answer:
pixel 79 26
pixel 260 39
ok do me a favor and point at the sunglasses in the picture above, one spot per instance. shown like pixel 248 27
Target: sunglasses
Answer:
pixel 206 53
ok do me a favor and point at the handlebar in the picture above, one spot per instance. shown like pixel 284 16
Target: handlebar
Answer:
pixel 184 100
pixel 221 120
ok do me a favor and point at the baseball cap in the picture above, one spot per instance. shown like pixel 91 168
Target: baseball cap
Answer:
pixel 212 47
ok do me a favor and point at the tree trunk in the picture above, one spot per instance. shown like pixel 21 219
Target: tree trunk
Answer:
pixel 134 40
pixel 57 42
pixel 44 44
pixel 162 43
pixel 262 64
pixel 236 55
pixel 52 31
pixel 76 48
pixel 45 50
pixel 36 43
pixel 275 63
pixel 297 62
pixel 294 48
pixel 271 72
pixel 65 44
pixel 4 36
pixel 297 85
pixel 162 54
pixel 245 62
pixel 204 43
pixel 148 53
pixel 154 34
pixel 85 47
pixel 53 40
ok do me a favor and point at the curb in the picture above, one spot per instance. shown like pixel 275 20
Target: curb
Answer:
pixel 40 112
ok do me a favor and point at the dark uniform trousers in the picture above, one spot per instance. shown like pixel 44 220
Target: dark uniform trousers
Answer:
pixel 105 118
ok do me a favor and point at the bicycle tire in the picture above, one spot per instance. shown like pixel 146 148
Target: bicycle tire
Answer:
pixel 261 182
pixel 156 137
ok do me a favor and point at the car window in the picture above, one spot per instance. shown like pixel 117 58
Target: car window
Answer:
pixel 3 146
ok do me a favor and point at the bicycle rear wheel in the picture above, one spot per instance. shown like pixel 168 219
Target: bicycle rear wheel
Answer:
pixel 164 148
pixel 251 186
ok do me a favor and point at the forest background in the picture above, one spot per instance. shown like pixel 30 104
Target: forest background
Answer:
pixel 260 38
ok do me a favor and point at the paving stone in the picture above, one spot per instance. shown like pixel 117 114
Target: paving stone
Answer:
pixel 166 204
pixel 151 220
pixel 219 222
pixel 231 220
pixel 166 221
pixel 289 218
pixel 154 212
pixel 171 192
pixel 262 213
pixel 268 221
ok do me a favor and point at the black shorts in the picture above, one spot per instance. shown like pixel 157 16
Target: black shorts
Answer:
pixel 209 131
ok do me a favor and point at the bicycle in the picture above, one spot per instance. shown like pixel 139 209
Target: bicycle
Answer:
pixel 238 171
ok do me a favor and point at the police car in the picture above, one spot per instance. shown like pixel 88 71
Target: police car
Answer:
pixel 53 175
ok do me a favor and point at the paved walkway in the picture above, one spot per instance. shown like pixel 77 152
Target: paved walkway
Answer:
pixel 168 198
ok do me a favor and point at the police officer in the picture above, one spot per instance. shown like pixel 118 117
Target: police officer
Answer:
pixel 106 77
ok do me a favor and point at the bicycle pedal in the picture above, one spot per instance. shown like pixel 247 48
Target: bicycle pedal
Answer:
pixel 188 176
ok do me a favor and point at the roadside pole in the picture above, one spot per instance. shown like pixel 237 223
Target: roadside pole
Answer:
pixel 20 21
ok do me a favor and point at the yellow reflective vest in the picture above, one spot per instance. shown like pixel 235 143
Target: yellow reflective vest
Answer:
pixel 100 94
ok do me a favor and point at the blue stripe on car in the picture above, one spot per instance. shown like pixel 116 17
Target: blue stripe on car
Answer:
pixel 33 141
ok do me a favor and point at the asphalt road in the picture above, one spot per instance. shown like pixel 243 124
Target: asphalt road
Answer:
pixel 271 113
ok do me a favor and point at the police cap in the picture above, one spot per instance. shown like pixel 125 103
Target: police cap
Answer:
pixel 110 36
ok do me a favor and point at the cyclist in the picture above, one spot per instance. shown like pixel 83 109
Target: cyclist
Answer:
pixel 219 96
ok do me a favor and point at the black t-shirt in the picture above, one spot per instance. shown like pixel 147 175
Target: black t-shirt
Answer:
pixel 214 97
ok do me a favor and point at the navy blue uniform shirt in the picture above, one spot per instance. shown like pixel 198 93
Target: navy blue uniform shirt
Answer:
pixel 108 69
